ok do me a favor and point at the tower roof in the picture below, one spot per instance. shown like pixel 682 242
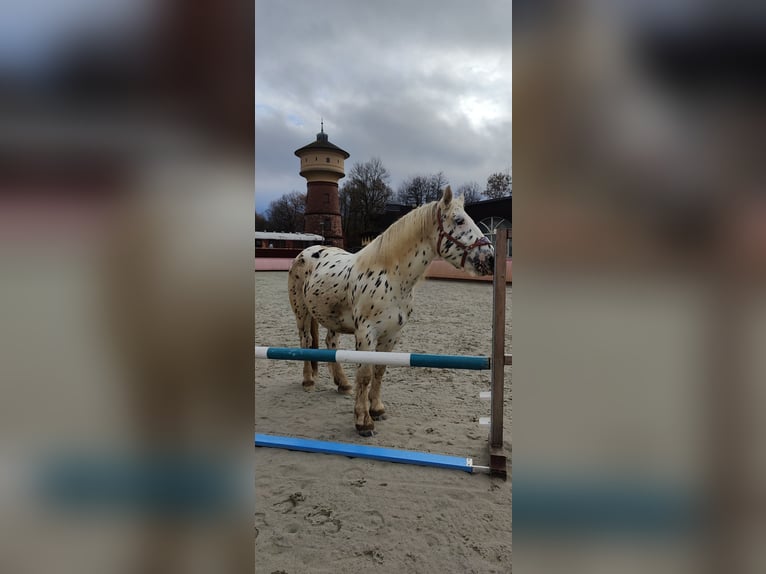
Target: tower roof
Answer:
pixel 322 143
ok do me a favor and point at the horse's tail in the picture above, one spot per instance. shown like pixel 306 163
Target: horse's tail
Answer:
pixel 295 280
pixel 314 340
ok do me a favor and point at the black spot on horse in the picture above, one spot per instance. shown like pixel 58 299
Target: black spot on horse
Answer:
pixel 315 255
pixel 400 319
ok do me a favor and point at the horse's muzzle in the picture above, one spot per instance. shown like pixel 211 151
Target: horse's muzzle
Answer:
pixel 484 261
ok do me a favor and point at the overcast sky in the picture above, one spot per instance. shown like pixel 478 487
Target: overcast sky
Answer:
pixel 424 85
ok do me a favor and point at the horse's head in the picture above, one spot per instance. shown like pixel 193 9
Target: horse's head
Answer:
pixel 459 239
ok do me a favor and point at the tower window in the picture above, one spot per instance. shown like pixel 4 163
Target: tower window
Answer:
pixel 327 199
pixel 327 159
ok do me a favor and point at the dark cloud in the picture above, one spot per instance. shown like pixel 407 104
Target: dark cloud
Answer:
pixel 425 86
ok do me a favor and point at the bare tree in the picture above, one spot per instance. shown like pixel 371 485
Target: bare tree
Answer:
pixel 421 189
pixel 471 191
pixel 437 183
pixel 260 222
pixel 286 213
pixel 367 191
pixel 499 185
pixel 413 191
pixel 349 214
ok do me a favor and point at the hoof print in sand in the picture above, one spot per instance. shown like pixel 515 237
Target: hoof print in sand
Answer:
pixel 374 555
pixel 289 503
pixel 322 517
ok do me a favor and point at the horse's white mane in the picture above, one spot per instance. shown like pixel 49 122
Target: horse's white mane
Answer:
pixel 402 235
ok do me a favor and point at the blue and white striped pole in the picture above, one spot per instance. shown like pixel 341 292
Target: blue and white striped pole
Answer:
pixel 375 358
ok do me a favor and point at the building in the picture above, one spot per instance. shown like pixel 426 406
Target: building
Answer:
pixel 322 164
pixel 491 215
pixel 279 244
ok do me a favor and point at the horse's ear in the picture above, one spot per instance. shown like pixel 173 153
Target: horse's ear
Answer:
pixel 447 196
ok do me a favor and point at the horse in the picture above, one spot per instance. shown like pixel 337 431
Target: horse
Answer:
pixel 369 293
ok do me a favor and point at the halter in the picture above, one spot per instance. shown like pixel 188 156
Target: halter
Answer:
pixel 466 248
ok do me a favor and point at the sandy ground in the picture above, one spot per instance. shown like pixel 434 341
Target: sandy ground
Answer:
pixel 318 513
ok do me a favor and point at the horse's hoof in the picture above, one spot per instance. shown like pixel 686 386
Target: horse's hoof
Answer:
pixel 345 390
pixel 378 416
pixel 308 386
pixel 365 430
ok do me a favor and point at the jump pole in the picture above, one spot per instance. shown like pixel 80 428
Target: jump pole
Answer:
pixel 466 362
pixel 372 452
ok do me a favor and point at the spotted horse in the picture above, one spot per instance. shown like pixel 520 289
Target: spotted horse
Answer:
pixel 369 293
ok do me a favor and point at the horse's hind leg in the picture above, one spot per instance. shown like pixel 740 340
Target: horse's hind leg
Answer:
pixel 336 369
pixel 308 330
pixel 304 330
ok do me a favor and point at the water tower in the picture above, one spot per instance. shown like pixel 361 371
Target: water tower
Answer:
pixel 322 166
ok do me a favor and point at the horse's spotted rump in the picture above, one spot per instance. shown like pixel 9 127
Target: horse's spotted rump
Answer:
pixel 372 290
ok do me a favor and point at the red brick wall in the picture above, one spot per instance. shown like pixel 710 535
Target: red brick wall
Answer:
pixel 323 204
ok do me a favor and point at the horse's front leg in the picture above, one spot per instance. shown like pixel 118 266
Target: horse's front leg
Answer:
pixel 364 374
pixel 377 408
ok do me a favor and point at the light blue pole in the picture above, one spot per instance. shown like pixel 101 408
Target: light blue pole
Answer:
pixel 364 451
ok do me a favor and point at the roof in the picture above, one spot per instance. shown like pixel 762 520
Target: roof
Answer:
pixel 322 142
pixel 503 199
pixel 280 236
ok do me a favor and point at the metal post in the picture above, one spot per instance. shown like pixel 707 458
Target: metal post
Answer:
pixel 496 453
